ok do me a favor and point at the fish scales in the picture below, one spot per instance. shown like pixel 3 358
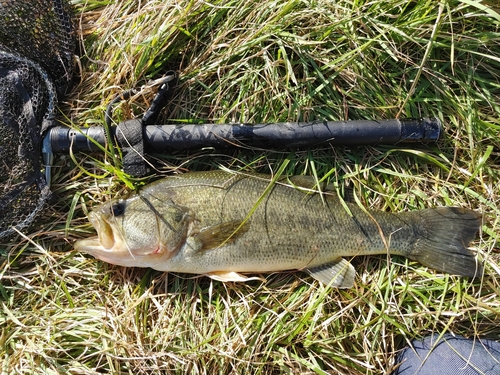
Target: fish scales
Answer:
pixel 282 232
pixel 223 224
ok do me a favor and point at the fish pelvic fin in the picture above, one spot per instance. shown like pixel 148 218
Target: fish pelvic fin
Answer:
pixel 337 274
pixel 443 237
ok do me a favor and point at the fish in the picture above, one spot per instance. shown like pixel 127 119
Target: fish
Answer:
pixel 227 225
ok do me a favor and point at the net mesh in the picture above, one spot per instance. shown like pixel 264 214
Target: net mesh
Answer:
pixel 36 53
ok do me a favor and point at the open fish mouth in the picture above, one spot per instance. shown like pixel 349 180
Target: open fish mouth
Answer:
pixel 108 246
pixel 104 231
pixel 104 242
pixel 94 247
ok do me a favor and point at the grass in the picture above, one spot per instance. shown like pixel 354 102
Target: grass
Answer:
pixel 248 61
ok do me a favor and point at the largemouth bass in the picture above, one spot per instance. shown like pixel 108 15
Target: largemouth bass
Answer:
pixel 222 224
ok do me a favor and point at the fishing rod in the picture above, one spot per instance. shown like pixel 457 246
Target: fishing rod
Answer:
pixel 136 137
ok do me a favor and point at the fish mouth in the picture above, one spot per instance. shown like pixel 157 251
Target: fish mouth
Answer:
pixel 108 245
pixel 105 240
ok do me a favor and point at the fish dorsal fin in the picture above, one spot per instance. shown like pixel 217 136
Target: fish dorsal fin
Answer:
pixel 349 194
pixel 218 235
pixel 337 274
pixel 308 182
pixel 226 276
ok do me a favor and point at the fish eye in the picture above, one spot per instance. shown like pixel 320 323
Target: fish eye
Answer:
pixel 117 209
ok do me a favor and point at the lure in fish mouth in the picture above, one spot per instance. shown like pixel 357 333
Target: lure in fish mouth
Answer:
pixel 223 225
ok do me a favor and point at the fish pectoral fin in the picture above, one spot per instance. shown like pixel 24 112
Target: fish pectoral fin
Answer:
pixel 218 235
pixel 337 274
pixel 230 276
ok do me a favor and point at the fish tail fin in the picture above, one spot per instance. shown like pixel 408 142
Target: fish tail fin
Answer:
pixel 445 233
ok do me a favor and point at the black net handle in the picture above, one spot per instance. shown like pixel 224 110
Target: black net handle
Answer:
pixel 168 137
pixel 135 139
pixel 138 136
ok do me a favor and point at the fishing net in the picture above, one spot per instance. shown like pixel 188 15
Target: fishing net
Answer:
pixel 37 43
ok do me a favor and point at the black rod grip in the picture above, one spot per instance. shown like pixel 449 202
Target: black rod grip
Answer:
pixel 161 138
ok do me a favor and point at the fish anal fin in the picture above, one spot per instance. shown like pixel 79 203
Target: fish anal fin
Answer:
pixel 226 276
pixel 337 274
pixel 218 235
